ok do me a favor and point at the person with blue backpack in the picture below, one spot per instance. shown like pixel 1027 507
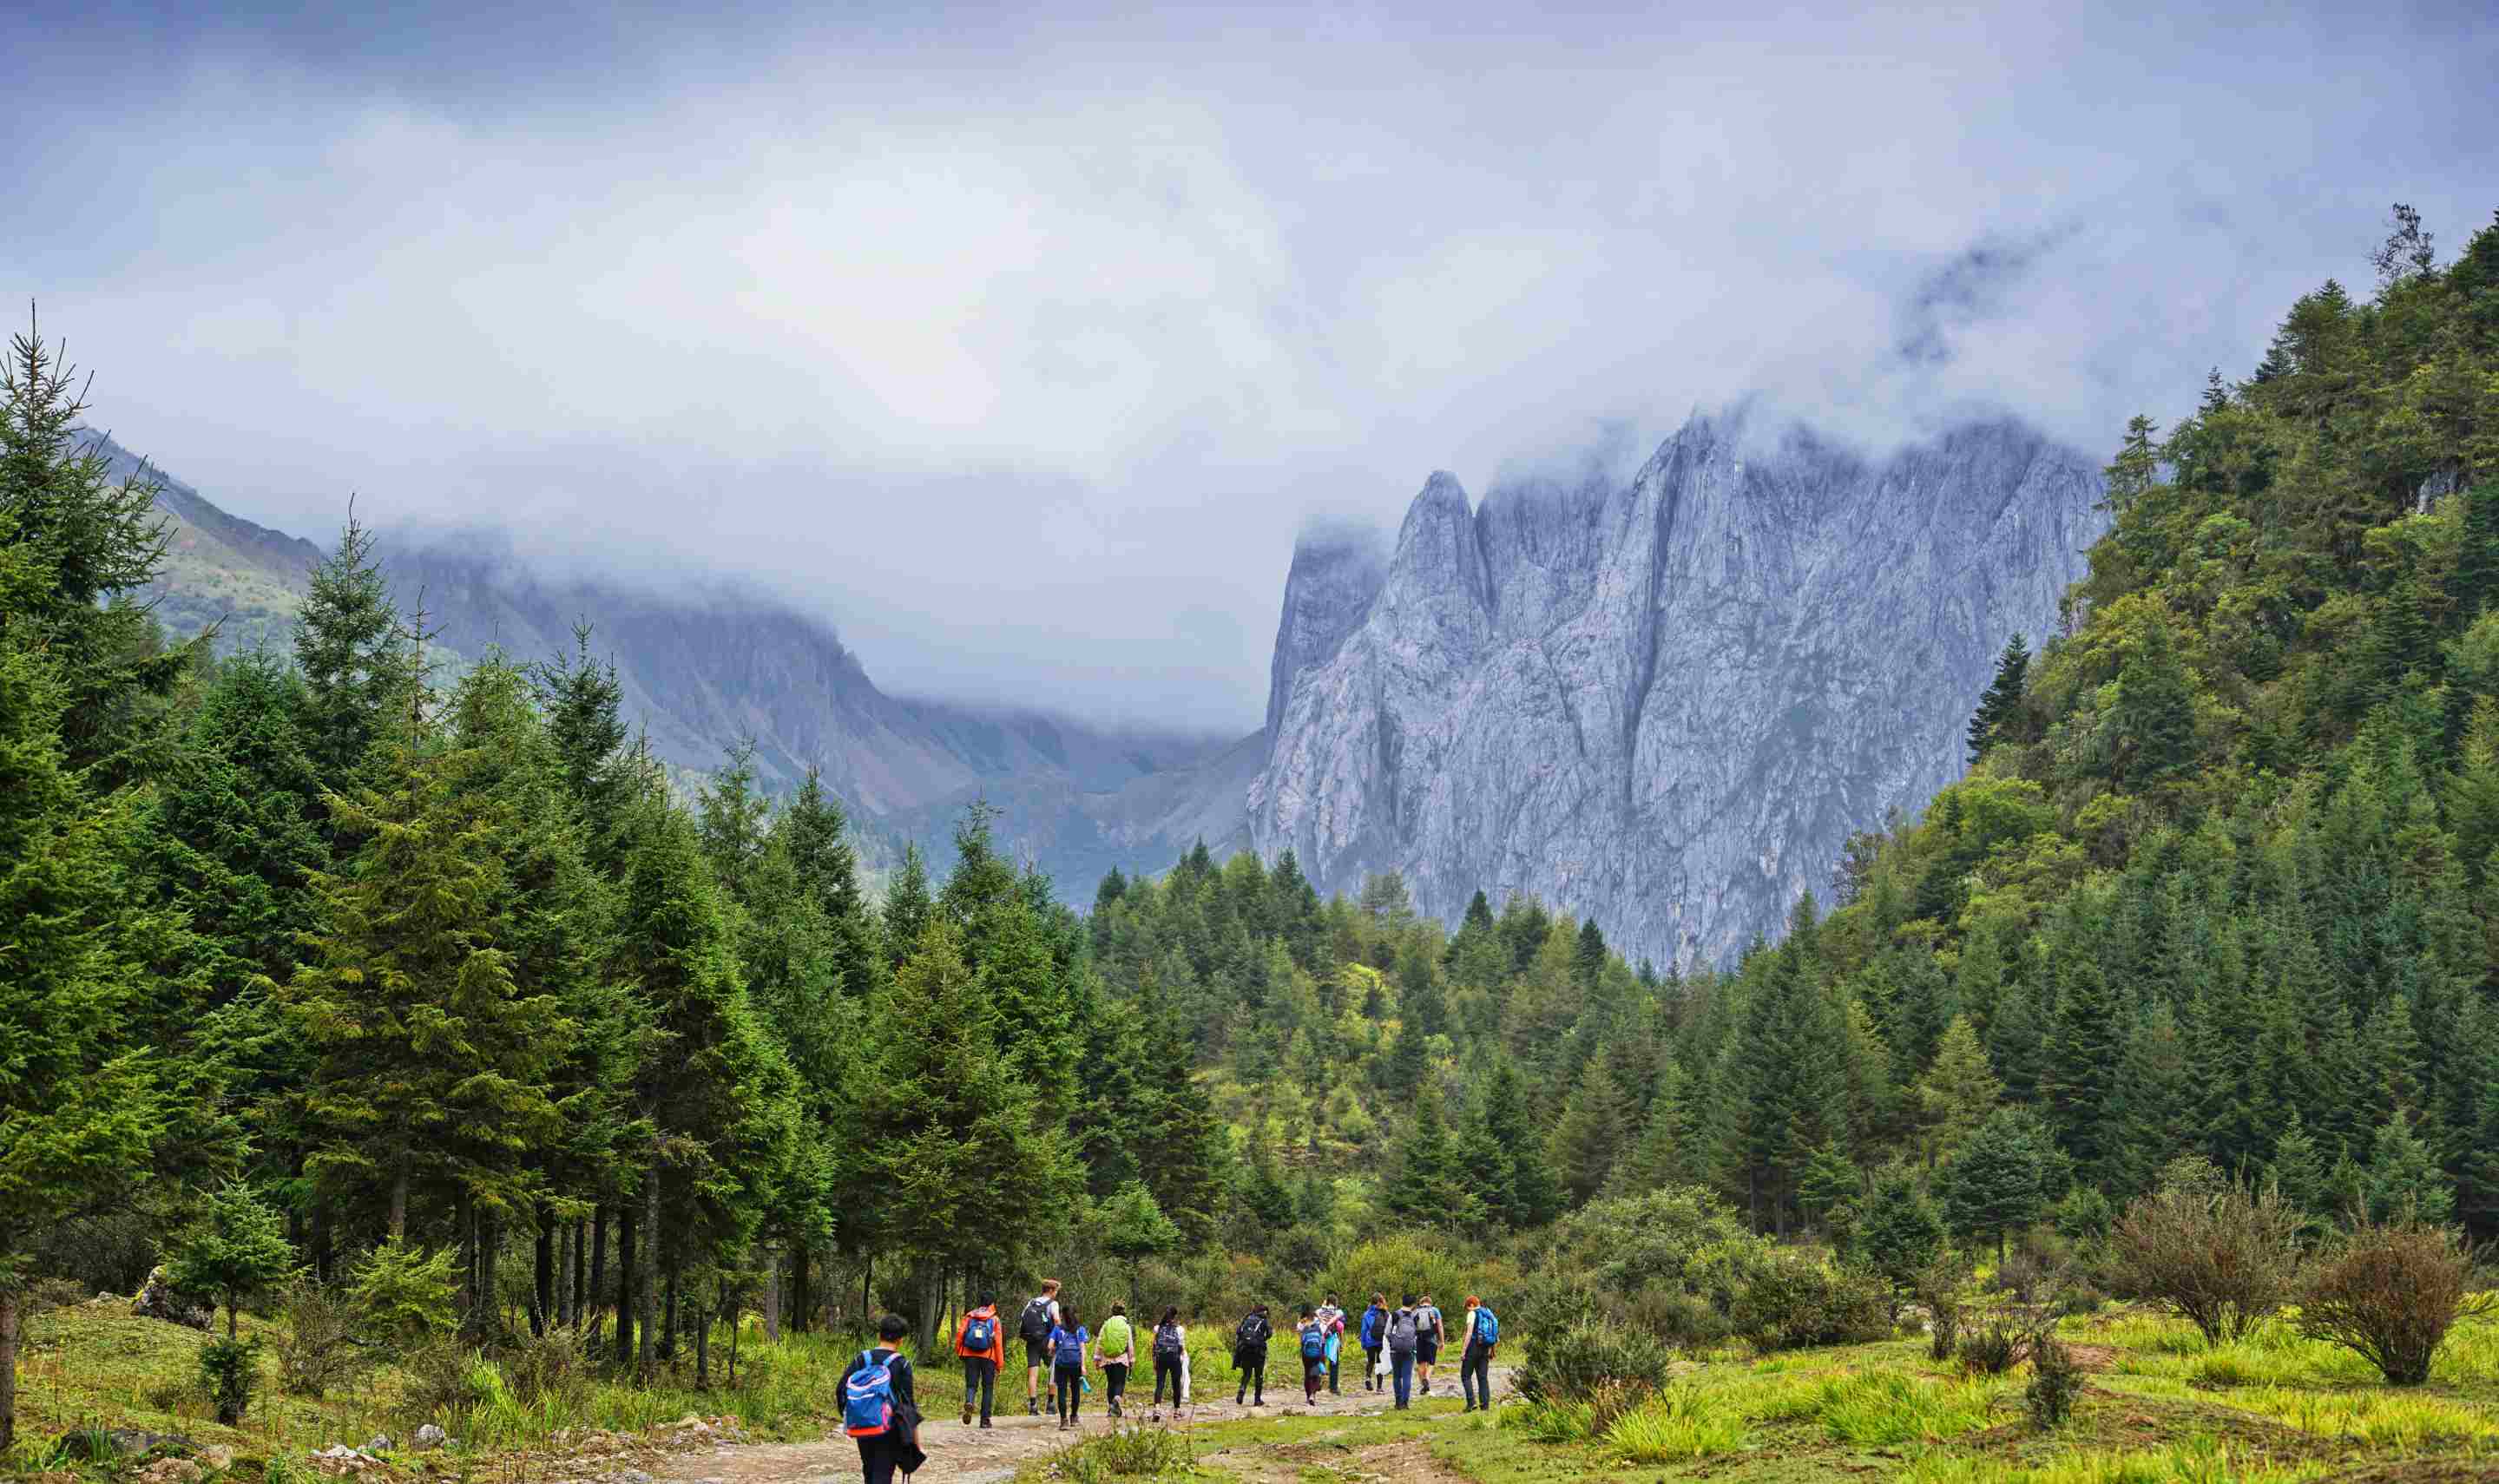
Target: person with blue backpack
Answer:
pixel 1474 1362
pixel 1313 1338
pixel 1068 1340
pixel 980 1345
pixel 1375 1340
pixel 878 1408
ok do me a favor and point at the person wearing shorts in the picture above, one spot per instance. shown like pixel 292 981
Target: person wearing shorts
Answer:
pixel 1427 1342
pixel 1040 1314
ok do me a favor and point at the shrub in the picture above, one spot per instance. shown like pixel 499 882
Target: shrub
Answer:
pixel 317 1349
pixel 440 1377
pixel 1991 1351
pixel 2392 1292
pixel 1792 1302
pixel 231 1368
pixel 1899 1234
pixel 1938 1286
pixel 2056 1383
pixel 1676 1424
pixel 549 1367
pixel 2084 1214
pixel 406 1292
pixel 1129 1451
pixel 2024 1276
pixel 1680 1239
pixel 1683 1319
pixel 2226 1258
pixel 1573 1364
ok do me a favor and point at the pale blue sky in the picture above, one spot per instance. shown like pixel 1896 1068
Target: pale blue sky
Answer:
pixel 1021 339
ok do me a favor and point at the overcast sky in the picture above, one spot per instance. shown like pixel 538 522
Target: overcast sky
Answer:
pixel 1021 339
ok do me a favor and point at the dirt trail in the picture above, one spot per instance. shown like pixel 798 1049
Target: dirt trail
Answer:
pixel 975 1455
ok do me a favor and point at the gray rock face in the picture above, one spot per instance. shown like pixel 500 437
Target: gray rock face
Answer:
pixel 1664 704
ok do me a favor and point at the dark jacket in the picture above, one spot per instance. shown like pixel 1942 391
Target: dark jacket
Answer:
pixel 904 1439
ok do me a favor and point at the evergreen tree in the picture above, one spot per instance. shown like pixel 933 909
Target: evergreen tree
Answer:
pixel 1522 1193
pixel 2152 726
pixel 2404 1183
pixel 361 664
pixel 1999 710
pixel 1589 1135
pixel 1959 1093
pixel 1898 1234
pixel 235 1249
pixel 2000 1179
pixel 2297 1170
pixel 1430 1184
pixel 907 907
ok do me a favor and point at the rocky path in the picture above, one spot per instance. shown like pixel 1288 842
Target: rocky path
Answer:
pixel 974 1455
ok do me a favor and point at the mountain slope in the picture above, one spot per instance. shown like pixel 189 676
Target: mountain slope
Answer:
pixel 1665 704
pixel 703 669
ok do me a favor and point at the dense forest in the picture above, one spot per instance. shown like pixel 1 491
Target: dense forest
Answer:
pixel 450 974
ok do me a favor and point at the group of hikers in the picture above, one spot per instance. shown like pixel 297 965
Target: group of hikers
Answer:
pixel 1399 1345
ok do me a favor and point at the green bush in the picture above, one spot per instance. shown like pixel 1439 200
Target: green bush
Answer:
pixel 231 1370
pixel 1792 1302
pixel 1938 1286
pixel 406 1292
pixel 2056 1383
pixel 317 1349
pixel 1991 1351
pixel 1574 1365
pixel 1680 1239
pixel 1129 1452
pixel 2389 1294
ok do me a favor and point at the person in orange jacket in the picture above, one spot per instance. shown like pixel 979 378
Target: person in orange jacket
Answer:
pixel 983 1345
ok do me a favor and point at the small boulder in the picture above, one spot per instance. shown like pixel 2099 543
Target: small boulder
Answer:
pixel 158 1300
pixel 379 1442
pixel 216 1457
pixel 429 1436
pixel 169 1470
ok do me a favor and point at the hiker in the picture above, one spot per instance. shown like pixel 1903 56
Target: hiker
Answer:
pixel 1375 1340
pixel 1067 1342
pixel 1402 1340
pixel 1475 1363
pixel 878 1408
pixel 1314 1344
pixel 1428 1334
pixel 981 1344
pixel 1171 1355
pixel 1332 1316
pixel 1249 1355
pixel 1039 1318
pixel 1114 1351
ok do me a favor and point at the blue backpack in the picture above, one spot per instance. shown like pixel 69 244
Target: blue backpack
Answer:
pixel 868 1402
pixel 980 1332
pixel 1070 1349
pixel 1313 1343
pixel 1487 1326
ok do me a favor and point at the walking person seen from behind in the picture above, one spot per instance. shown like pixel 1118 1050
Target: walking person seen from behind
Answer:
pixel 1312 1337
pixel 1402 1340
pixel 981 1344
pixel 1067 1342
pixel 1040 1317
pixel 1429 1332
pixel 1249 1355
pixel 1171 1355
pixel 1374 1341
pixel 879 1409
pixel 1114 1351
pixel 1332 1319
pixel 1475 1365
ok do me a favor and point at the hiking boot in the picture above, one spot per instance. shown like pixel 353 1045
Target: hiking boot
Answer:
pixel 967 1416
pixel 1031 1408
pixel 985 1422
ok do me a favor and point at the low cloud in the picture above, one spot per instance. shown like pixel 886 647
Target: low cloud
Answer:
pixel 1023 350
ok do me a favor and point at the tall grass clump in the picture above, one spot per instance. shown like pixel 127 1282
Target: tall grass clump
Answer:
pixel 1886 1408
pixel 1127 1454
pixel 2196 1460
pixel 1678 1423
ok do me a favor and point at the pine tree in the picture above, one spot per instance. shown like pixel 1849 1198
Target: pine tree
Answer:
pixel 1524 1194
pixel 85 542
pixel 1188 1169
pixel 1661 1155
pixel 1959 1093
pixel 1999 710
pixel 360 662
pixel 1898 1233
pixel 2152 726
pixel 1589 1135
pixel 2296 1169
pixel 2404 1182
pixel 1999 1181
pixel 907 907
pixel 2476 576
pixel 235 1249
pixel 1430 1185
pixel 1828 1185
pixel 81 1108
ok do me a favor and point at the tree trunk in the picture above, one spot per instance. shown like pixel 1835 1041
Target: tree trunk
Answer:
pixel 399 1203
pixel 8 1368
pixel 465 1222
pixel 595 1296
pixel 803 1304
pixel 628 1217
pixel 668 1333
pixel 867 1289
pixel 703 1349
pixel 573 1299
pixel 489 1242
pixel 771 1308
pixel 647 1269
pixel 542 1309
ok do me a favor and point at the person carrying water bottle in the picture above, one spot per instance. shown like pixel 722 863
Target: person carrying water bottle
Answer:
pixel 981 1345
pixel 878 1408
pixel 1067 1341
pixel 1171 1359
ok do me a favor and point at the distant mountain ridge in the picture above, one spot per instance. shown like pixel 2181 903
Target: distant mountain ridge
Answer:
pixel 703 671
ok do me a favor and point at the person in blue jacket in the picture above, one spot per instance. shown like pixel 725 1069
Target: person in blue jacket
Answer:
pixel 1375 1339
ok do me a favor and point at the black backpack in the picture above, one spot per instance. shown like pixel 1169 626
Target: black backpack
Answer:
pixel 1254 1332
pixel 1035 1323
pixel 1167 1345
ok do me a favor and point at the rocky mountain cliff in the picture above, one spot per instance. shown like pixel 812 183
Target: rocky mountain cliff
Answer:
pixel 1664 704
pixel 703 668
